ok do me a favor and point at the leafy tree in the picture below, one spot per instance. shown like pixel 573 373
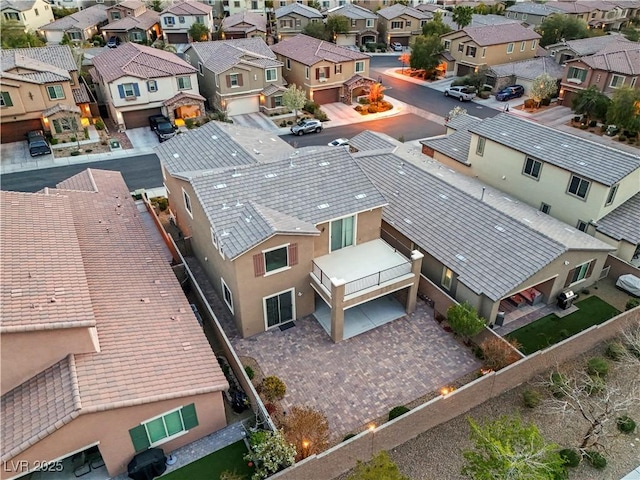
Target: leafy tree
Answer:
pixel 12 35
pixel 436 26
pixel 270 453
pixel 424 53
pixel 464 320
pixel 335 25
pixel 508 449
pixel 558 26
pixel 307 430
pixel 61 12
pixel 294 98
pixel 380 467
pixel 462 16
pixel 161 45
pixel 543 86
pixel 199 32
pixel 155 5
pixel 624 110
pixel 631 34
pixel 314 4
pixel 376 93
pixel 591 103
pixel 316 30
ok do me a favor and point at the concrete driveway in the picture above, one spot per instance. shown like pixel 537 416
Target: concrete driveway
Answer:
pixel 16 155
pixel 142 137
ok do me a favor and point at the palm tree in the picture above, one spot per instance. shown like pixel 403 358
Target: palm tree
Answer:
pixel 591 103
pixel 462 16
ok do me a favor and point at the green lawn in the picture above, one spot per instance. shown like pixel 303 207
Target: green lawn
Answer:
pixel 211 466
pixel 551 329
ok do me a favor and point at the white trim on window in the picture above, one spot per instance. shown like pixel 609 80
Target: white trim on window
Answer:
pixel 510 48
pixel 277 270
pixel 306 73
pixel 225 290
pixel 274 73
pixel 264 307
pixel 169 438
pixel 187 202
pixel 214 238
pixel 447 278
pixel 614 81
pixel 360 64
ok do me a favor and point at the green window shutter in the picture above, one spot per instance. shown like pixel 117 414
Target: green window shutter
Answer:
pixel 189 416
pixel 7 99
pixel 139 438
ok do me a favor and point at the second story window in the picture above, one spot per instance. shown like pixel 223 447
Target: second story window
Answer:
pixel 471 51
pixel 11 16
pixel 180 19
pixel 288 64
pixel 306 73
pixel 353 22
pixel 616 81
pixel 510 48
pixel 578 187
pixel 523 45
pixel 534 44
pixel 129 90
pixel 187 202
pixel 275 259
pixel 396 25
pixel 152 86
pixel 115 15
pixel 612 195
pixel 480 146
pixel 254 5
pixel 338 68
pixel 578 74
pixel 199 19
pixel 271 74
pixel 369 23
pixel 184 83
pixel 359 67
pixel 169 21
pixel 5 99
pixel 55 92
pixel 532 168
pixel 447 45
pixel 233 80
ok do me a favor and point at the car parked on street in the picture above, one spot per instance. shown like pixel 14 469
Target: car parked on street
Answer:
pixel 162 127
pixel 38 144
pixel 113 41
pixel 339 142
pixel 307 126
pixel 462 93
pixel 507 93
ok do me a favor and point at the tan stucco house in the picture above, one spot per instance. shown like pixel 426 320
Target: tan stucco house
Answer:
pixel 28 15
pixel 293 18
pixel 328 73
pixel 280 232
pixel 80 26
pixel 132 21
pixel 102 356
pixel 402 24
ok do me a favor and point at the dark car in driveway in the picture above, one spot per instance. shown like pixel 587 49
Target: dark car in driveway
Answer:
pixel 113 42
pixel 507 93
pixel 38 144
pixel 162 127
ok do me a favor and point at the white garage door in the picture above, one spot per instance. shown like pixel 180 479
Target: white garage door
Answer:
pixel 243 105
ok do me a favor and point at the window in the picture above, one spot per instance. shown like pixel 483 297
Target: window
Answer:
pixel 288 64
pixel 369 23
pixel 11 16
pixel 277 101
pixel 480 146
pixel 136 36
pixel 306 73
pixel 342 233
pixel 461 47
pixel 360 67
pixel 524 16
pixel 322 73
pixel 279 308
pixel 128 90
pixel 233 80
pixel 534 44
pixel 616 81
pixel 276 259
pixel 152 86
pixel 184 83
pixel 582 225
pixel 227 295
pixel 5 100
pixel 396 25
pixel 447 45
pixel 199 19
pixel 35 10
pixel 200 68
pixel 158 430
pixel 325 4
pixel 116 16
pixel 271 74
pixel 74 35
pixel 214 237
pixel 580 273
pixel 612 195
pixel 286 23
pixel 169 21
pixel 545 208
pixel 236 4
pixel 471 51
pixel 55 92
pixel 532 167
pixel 180 19
pixel 254 5
pixel 354 22
pixel 338 68
pixel 447 278
pixel 577 74
pixel 187 202
pixel 523 45
pixel 633 82
pixel 510 48
pixel 484 52
pixel 578 186
pixel 408 23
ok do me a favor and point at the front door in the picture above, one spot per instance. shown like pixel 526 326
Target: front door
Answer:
pixel 342 233
pixel 279 308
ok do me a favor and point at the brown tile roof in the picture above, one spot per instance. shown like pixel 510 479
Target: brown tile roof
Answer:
pixel 131 59
pixel 309 51
pixel 132 4
pixel 60 107
pixel 188 8
pixel 144 22
pixel 254 21
pixel 221 55
pixel 498 34
pixel 572 7
pixel 182 95
pixel 81 94
pixel 151 346
pixel 620 58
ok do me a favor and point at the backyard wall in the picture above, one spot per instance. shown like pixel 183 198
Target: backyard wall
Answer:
pixel 441 301
pixel 344 456
pixel 619 267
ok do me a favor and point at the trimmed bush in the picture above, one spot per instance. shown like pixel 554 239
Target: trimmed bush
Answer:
pixel 596 459
pixel 99 124
pixel 593 123
pixel 75 153
pixel 320 115
pixel 54 141
pixel 531 398
pixel 311 107
pixel 626 424
pixel 622 138
pixel 571 457
pixel 615 350
pixel 249 371
pixel 395 412
pixel 632 303
pixel 529 103
pixel 273 388
pixel 598 366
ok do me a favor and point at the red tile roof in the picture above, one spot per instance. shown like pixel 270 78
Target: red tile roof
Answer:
pixel 498 34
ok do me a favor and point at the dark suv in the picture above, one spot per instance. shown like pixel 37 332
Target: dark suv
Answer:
pixel 37 143
pixel 512 91
pixel 162 127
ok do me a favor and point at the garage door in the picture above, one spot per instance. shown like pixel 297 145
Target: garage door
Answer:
pixel 243 105
pixel 17 131
pixel 465 70
pixel 329 95
pixel 139 118
pixel 404 41
pixel 178 38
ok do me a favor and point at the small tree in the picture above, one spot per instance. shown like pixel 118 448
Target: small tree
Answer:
pixel 294 98
pixel 273 388
pixel 335 25
pixel 462 16
pixel 380 467
pixel 199 32
pixel 499 353
pixel 307 430
pixel 543 86
pixel 591 103
pixel 155 5
pixel 508 449
pixel 12 35
pixel 424 53
pixel 376 94
pixel 270 455
pixel 404 59
pixel 314 4
pixel 624 110
pixel 436 26
pixel 316 30
pixel 558 26
pixel 463 320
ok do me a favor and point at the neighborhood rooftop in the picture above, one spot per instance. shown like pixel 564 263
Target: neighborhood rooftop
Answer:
pixel 59 56
pixel 309 51
pixel 456 145
pixel 583 157
pixel 398 9
pixel 530 68
pixel 299 9
pixel 221 55
pixel 245 22
pixel 591 45
pixel 352 11
pixel 478 20
pixel 616 58
pixel 188 8
pixel 143 22
pixel 534 8
pixel 624 222
pixel 498 34
pixel 80 20
pixel 19 5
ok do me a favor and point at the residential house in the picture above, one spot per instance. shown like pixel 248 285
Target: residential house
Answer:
pixel 244 25
pixel 606 15
pixel 102 356
pixel 363 25
pixel 178 18
pixel 402 24
pixel 523 72
pixel 131 21
pixel 621 229
pixel 273 256
pixel 531 13
pixel 480 246
pixel 615 66
pixel 570 49
pixel 475 48
pixel 575 180
pixel 431 8
pixel 231 7
pixel 574 9
pixel 239 76
pixel 28 15
pixel 41 90
pixel 478 20
pixel 328 73
pixel 80 26
pixel 291 19
pixel 136 81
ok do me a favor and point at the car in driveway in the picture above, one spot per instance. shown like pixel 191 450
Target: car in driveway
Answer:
pixel 462 93
pixel 38 144
pixel 338 142
pixel 396 46
pixel 113 41
pixel 307 126
pixel 162 127
pixel 507 93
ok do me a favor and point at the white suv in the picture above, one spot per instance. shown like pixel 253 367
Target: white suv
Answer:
pixel 461 93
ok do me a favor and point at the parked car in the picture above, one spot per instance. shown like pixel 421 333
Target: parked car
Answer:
pixel 307 126
pixel 507 93
pixel 162 127
pixel 113 41
pixel 338 142
pixel 461 93
pixel 38 144
pixel 629 283
pixel 396 46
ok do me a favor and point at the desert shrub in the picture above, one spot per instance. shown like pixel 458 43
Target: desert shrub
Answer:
pixel 289 122
pixel 54 141
pixel 307 429
pixel 531 398
pixel 75 153
pixel 631 303
pixel 88 150
pixel 363 101
pixel 595 386
pixel 598 366
pixel 86 133
pixel 348 436
pixel 372 109
pixel 625 424
pixel 545 102
pixel 311 107
pixel 249 371
pixel 99 124
pixel 401 139
pixel 73 139
pixel 615 350
pixel 529 103
pixel 464 320
pixel 190 123
pixel 593 123
pixel 584 126
pixel 571 457
pixel 270 408
pixel 484 95
pixel 371 47
pixel 622 138
pixel 283 123
pixel 395 412
pixel 596 459
pixel 498 353
pixel 382 46
pixel 320 115
pixel 273 388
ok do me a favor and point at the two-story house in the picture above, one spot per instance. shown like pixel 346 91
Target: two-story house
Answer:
pixel 28 15
pixel 136 81
pixel 562 52
pixel 178 18
pixel 606 15
pixel 531 13
pixel 231 7
pixel 244 25
pixel 239 76
pixel 90 308
pixel 616 65
pixel 474 48
pixel 363 25
pixel 276 257
pixel 132 21
pixel 328 73
pixel 41 90
pixel 80 26
pixel 401 23
pixel 293 18
pixel 573 9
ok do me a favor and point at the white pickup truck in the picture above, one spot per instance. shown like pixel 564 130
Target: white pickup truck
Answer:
pixel 461 93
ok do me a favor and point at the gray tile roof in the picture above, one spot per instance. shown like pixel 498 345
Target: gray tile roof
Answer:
pixel 296 193
pixel 367 141
pixel 530 69
pixel 398 9
pixel 583 157
pixel 624 59
pixel 309 51
pixel 19 5
pixel 299 9
pixel 478 20
pixel 455 146
pixel 588 46
pixel 220 56
pixel 624 222
pixel 188 8
pixel 355 12
pixel 460 122
pixel 486 35
pixel 59 56
pixel 572 7
pixel 85 18
pixel 531 8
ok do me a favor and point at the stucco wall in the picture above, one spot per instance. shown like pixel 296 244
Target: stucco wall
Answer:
pixel 493 54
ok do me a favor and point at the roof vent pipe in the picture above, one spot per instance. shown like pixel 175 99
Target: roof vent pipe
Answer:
pixel 482 196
